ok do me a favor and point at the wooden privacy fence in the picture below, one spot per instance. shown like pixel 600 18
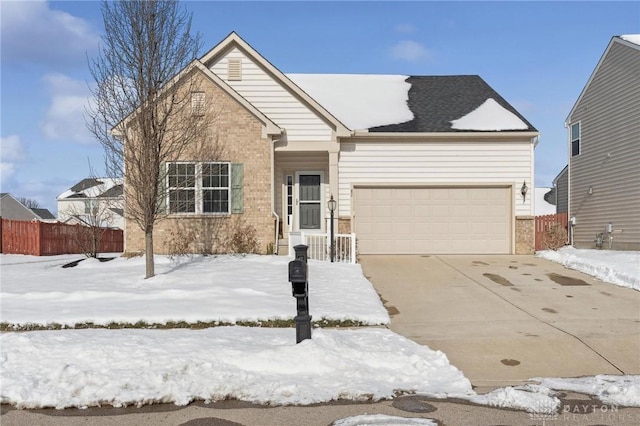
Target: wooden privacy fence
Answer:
pixel 48 239
pixel 544 224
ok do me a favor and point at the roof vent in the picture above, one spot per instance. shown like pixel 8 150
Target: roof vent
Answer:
pixel 234 69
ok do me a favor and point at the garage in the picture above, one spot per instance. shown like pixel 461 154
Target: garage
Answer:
pixel 433 220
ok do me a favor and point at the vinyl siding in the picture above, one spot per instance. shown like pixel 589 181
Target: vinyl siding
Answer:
pixel 609 160
pixel 273 100
pixel 562 193
pixel 465 163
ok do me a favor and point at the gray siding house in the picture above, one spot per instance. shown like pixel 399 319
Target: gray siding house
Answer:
pixel 561 186
pixel 604 151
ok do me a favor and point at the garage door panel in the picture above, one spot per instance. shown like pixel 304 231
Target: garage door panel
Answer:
pixel 442 220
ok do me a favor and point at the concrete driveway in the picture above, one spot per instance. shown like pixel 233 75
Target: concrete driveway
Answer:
pixel 505 319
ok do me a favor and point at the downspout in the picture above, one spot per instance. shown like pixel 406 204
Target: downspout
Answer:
pixel 273 194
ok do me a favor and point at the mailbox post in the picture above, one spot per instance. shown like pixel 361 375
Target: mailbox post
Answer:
pixel 298 276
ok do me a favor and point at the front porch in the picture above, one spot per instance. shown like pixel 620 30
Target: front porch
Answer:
pixel 305 181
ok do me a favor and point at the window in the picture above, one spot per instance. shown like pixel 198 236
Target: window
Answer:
pixel 197 103
pixel 289 198
pixel 198 187
pixel 575 139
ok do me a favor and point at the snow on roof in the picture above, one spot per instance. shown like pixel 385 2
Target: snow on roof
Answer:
pixel 93 191
pixel 632 38
pixel 359 101
pixel 490 116
pixel 542 207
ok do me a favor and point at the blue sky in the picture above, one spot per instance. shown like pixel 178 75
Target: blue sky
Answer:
pixel 537 55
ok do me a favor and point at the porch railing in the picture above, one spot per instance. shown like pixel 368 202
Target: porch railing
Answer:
pixel 320 246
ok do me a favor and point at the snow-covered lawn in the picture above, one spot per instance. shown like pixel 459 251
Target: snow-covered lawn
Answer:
pixel 616 267
pixel 224 289
pixel 80 368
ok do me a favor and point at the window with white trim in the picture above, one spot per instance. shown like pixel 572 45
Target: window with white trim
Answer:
pixel 575 139
pixel 199 188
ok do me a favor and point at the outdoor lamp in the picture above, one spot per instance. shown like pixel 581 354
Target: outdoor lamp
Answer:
pixel 332 204
pixel 332 208
pixel 524 190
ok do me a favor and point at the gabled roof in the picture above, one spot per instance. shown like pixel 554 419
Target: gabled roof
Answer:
pixel 234 40
pixel 113 192
pixel 43 213
pixel 436 101
pixel 630 40
pixel 93 188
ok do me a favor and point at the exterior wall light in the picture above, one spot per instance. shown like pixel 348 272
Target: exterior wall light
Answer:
pixel 524 191
pixel 332 204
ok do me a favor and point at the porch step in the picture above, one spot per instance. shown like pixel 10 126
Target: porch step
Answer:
pixel 283 247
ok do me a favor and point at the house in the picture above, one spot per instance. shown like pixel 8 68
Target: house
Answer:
pixel 604 151
pixel 561 186
pixel 93 202
pixel 11 208
pixel 417 164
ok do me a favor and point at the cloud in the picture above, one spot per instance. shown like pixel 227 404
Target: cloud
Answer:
pixel 64 119
pixel 409 50
pixel 33 32
pixel 11 152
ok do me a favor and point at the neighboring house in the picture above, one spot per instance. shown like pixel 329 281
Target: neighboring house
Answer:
pixel 417 164
pixel 11 208
pixel 604 150
pixel 561 186
pixel 545 201
pixel 93 202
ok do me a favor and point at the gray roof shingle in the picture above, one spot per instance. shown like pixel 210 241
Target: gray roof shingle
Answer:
pixel 437 100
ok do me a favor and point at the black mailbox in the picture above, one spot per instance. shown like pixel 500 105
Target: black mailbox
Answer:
pixel 297 271
pixel 298 277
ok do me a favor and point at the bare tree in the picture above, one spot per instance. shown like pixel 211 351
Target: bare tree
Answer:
pixel 144 113
pixel 29 203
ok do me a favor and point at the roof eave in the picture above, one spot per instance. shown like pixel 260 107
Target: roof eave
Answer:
pixel 447 135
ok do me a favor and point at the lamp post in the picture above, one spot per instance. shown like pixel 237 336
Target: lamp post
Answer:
pixel 332 208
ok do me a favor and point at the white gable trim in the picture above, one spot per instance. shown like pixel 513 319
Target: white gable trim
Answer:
pixel 234 39
pixel 271 127
pixel 597 68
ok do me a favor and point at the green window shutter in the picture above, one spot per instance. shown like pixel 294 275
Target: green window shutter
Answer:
pixel 237 184
pixel 163 190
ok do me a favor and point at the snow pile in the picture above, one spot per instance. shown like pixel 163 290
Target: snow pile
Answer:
pixel 383 420
pixel 359 101
pixel 616 267
pixel 82 368
pixel 196 288
pixel 490 116
pixel 612 390
pixel 531 398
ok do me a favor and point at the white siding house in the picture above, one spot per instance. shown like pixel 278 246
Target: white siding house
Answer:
pixel 439 163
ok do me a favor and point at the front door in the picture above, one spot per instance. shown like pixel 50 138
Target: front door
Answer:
pixel 310 201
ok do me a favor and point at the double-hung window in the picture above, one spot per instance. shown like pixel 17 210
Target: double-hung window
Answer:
pixel 198 188
pixel 575 139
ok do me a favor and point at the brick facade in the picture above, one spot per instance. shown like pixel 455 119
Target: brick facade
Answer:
pixel 525 234
pixel 235 136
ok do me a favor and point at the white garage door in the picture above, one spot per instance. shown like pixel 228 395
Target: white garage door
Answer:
pixel 442 220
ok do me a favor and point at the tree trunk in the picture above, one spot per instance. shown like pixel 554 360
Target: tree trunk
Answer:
pixel 148 250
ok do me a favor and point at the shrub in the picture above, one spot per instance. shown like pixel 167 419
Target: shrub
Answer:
pixel 555 237
pixel 242 240
pixel 178 243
